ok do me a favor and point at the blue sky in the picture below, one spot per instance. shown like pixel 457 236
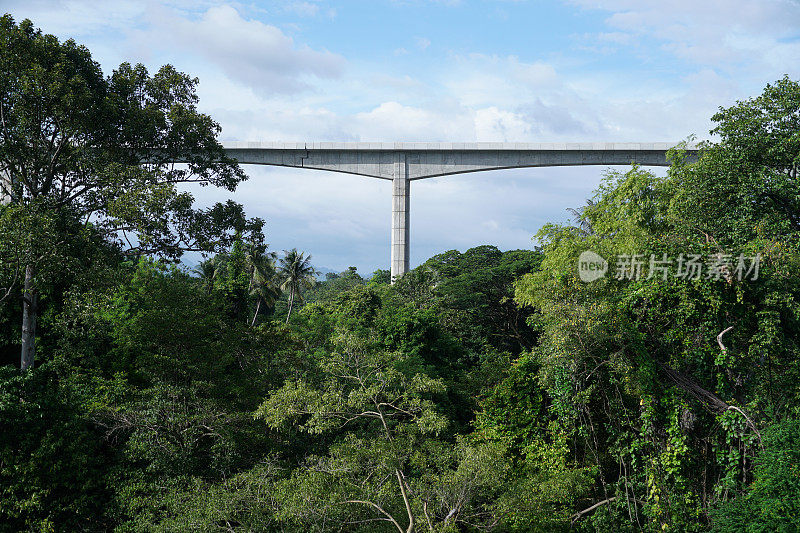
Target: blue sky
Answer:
pixel 426 70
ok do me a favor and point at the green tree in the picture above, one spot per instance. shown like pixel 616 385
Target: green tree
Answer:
pixel 207 271
pixel 53 464
pixel 104 151
pixel 746 186
pixel 475 291
pixel 772 501
pixel 386 463
pixel 264 281
pixel 334 284
pixel 297 274
pixel 663 384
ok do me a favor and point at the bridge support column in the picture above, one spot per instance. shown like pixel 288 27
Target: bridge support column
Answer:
pixel 401 188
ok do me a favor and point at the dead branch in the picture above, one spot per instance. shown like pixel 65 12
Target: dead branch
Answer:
pixel 719 339
pixel 579 514
pixel 708 399
pixel 389 517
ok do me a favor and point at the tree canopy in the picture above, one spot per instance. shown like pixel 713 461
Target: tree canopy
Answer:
pixel 110 152
pixel 485 390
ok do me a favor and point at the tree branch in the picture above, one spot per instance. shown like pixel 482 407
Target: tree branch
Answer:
pixel 719 339
pixel 380 510
pixel 577 516
pixel 711 401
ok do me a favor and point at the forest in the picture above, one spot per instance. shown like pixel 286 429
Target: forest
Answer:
pixel 486 390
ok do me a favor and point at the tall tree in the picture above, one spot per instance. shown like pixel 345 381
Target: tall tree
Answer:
pixel 264 284
pixel 297 273
pixel 109 151
pixel 207 271
pixel 746 186
pixel 361 384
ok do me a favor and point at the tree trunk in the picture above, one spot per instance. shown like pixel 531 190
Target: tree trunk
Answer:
pixel 291 303
pixel 258 306
pixel 402 482
pixel 30 304
pixel 5 187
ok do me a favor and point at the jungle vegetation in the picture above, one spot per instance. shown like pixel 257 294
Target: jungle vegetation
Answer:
pixel 486 390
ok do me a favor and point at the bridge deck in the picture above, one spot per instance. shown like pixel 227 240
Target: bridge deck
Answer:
pixel 414 146
pixel 427 160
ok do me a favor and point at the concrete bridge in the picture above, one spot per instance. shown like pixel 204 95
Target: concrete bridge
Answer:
pixel 403 163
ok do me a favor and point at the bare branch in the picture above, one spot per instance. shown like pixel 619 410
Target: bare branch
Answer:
pixel 579 514
pixel 719 339
pixel 379 509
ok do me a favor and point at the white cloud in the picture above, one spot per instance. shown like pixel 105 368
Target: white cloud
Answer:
pixel 391 121
pixel 496 125
pixel 257 54
pixel 77 17
pixel 738 36
pixel 305 9
pixel 274 122
pixel 478 80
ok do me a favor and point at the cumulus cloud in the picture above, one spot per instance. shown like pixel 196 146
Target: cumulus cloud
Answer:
pixel 392 121
pixel 496 125
pixel 250 51
pixel 77 17
pixel 734 35
pixel 560 120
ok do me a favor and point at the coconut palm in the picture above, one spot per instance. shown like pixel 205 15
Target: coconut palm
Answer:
pixel 297 273
pixel 207 272
pixel 263 282
pixel 579 216
pixel 256 255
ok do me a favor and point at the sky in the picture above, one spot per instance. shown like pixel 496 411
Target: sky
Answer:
pixel 438 70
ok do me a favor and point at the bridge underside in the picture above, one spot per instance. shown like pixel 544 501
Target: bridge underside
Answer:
pixel 405 162
pixel 377 160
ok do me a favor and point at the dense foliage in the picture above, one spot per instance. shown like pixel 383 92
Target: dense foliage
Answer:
pixel 484 390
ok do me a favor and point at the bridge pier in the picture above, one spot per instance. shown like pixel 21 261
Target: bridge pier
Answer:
pixel 401 188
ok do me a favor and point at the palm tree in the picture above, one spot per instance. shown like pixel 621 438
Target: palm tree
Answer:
pixel 297 273
pixel 263 281
pixel 207 272
pixel 256 255
pixel 579 216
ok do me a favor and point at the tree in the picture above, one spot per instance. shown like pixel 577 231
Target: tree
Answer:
pixel 107 151
pixel 746 185
pixel 207 272
pixel 264 285
pixel 334 284
pixel 360 384
pixel 297 273
pixel 663 383
pixel 772 501
pixel 476 288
